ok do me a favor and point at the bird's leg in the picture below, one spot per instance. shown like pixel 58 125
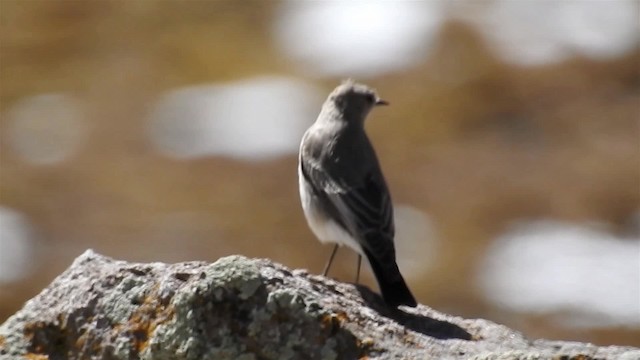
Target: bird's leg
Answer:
pixel 328 265
pixel 358 269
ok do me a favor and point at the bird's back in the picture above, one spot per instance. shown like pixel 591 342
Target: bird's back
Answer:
pixel 343 152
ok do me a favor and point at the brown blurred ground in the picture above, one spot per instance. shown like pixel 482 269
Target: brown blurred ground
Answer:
pixel 499 143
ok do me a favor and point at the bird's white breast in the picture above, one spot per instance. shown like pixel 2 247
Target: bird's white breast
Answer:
pixel 325 229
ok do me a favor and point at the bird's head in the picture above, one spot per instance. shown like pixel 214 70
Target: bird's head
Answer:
pixel 354 100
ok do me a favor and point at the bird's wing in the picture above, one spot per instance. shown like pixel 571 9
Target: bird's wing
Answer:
pixel 368 204
pixel 364 208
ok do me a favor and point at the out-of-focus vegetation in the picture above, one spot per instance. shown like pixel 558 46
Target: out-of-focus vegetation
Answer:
pixel 472 141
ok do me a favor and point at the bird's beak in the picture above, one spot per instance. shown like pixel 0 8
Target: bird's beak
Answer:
pixel 381 102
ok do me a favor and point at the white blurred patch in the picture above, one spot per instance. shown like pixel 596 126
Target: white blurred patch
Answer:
pixel 253 119
pixel 350 38
pixel 16 246
pixel 539 32
pixel 46 129
pixel 549 267
pixel 416 241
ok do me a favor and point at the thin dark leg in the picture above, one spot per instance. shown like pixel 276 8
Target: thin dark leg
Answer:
pixel 358 270
pixel 326 267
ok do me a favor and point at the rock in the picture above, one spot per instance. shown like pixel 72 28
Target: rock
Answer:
pixel 240 308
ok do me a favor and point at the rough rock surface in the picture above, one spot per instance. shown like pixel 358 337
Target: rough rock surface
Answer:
pixel 240 308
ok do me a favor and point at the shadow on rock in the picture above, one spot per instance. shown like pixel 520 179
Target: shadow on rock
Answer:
pixel 419 323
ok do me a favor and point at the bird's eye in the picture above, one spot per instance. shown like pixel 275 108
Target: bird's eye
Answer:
pixel 371 98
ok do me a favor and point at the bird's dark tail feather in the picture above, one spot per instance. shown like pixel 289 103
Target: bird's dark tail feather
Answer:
pixel 394 289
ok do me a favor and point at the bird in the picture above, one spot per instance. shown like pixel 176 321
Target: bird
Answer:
pixel 343 192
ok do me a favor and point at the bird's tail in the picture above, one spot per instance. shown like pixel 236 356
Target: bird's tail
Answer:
pixel 394 289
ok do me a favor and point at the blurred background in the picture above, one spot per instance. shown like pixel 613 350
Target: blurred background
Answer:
pixel 168 131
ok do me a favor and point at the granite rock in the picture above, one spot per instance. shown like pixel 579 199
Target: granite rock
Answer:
pixel 241 308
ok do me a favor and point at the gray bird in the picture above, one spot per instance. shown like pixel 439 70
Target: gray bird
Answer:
pixel 343 192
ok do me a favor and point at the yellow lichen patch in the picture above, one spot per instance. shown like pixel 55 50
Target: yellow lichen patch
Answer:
pixel 30 330
pixel 342 316
pixel 574 357
pixel 81 341
pixel 333 322
pixel 32 356
pixel 329 321
pixel 366 343
pixel 145 319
